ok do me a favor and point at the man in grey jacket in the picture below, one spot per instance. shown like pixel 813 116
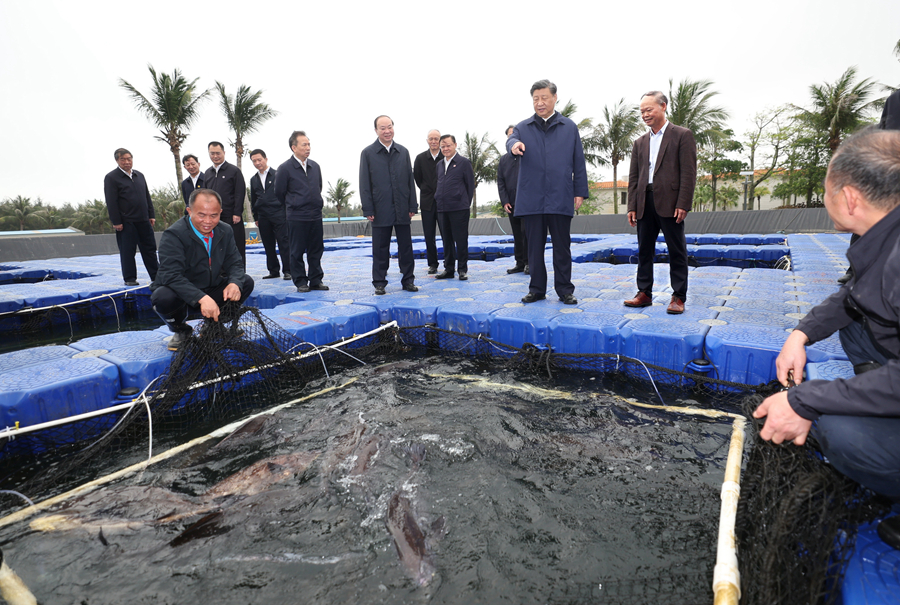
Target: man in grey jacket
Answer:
pixel 856 421
pixel 388 192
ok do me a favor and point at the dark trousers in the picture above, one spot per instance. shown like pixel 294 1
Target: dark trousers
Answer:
pixel 381 255
pixel 455 236
pixel 240 238
pixel 865 448
pixel 536 228
pixel 174 310
pixel 270 232
pixel 648 228
pixel 520 242
pixel 134 236
pixel 306 238
pixel 430 226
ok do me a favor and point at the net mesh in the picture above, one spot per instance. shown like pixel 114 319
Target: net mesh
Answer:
pixel 796 518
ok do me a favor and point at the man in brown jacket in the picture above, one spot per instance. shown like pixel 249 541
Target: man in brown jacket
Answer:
pixel 660 194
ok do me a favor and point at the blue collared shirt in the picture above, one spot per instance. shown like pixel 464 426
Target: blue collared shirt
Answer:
pixel 206 239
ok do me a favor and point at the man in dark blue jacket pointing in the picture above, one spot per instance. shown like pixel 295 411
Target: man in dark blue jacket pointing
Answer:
pixel 552 186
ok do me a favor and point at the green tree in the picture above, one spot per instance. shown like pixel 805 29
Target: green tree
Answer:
pixel 805 165
pixel 485 158
pixel 245 113
pixel 770 132
pixel 621 126
pixel 93 217
pixel 690 106
pixel 714 161
pixel 172 107
pixel 590 135
pixel 19 212
pixel 168 205
pixel 840 107
pixel 339 195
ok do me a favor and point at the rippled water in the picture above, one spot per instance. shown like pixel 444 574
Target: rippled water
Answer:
pixel 530 492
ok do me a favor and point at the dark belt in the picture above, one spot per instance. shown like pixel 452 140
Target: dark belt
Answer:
pixel 649 186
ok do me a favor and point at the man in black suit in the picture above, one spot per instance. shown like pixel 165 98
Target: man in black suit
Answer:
pixel 298 186
pixel 226 180
pixel 507 181
pixel 425 173
pixel 131 212
pixel 268 212
pixel 453 197
pixel 194 180
pixel 200 268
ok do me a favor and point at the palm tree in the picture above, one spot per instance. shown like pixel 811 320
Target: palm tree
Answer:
pixel 19 211
pixel 621 126
pixel 244 113
pixel 841 107
pixel 168 205
pixel 173 108
pixel 690 107
pixel 484 157
pixel 590 136
pixel 339 195
pixel 93 217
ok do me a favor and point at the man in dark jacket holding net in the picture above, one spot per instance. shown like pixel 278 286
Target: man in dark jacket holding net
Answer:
pixel 856 421
pixel 199 267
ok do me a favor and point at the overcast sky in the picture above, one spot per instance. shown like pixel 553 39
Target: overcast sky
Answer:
pixel 330 67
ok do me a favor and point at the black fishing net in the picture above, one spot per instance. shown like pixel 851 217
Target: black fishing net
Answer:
pixel 796 523
pixel 797 515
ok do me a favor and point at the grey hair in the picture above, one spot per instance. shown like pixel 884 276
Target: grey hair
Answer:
pixel 120 152
pixel 869 161
pixel 543 84
pixel 658 96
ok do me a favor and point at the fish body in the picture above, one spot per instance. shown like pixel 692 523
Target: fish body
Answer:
pixel 409 540
pixel 258 477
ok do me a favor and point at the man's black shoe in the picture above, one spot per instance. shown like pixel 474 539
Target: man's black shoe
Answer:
pixel 463 276
pixel 410 287
pixel 271 276
pixel 527 272
pixel 303 288
pixel 379 290
pixel 318 286
pixel 516 269
pixel 889 531
pixel 132 283
pixel 287 277
pixel 432 270
pixel 178 339
pixel 568 299
pixel 533 297
pixel 444 275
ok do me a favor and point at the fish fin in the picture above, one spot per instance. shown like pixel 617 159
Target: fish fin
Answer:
pixel 416 453
pixel 206 526
pixel 102 538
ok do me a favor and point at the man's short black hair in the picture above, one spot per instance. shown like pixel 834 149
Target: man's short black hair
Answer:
pixel 120 152
pixel 215 144
pixel 258 151
pixel 197 192
pixel 511 126
pixel 189 156
pixel 448 136
pixel 541 84
pixel 294 136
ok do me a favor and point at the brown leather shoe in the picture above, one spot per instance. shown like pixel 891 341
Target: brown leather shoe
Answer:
pixel 639 300
pixel 676 306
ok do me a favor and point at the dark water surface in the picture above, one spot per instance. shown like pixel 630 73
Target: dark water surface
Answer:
pixel 530 492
